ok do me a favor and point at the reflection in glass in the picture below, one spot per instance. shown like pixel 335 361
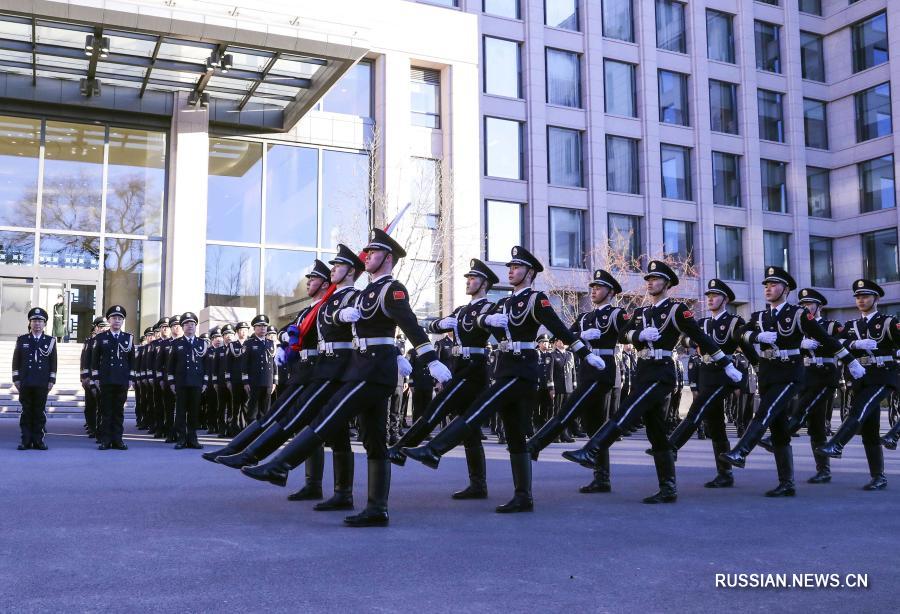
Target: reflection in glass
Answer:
pixel 622 168
pixel 285 284
pixel 617 20
pixel 821 260
pixel 726 179
pixel 564 157
pixel 69 252
pixel 818 190
pixel 675 165
pixel 73 176
pixel 625 235
pixel 773 174
pixel 561 14
pixel 729 253
pixel 776 249
pixel 768 46
pixel 566 237
pixel 502 67
pixel 719 36
pixel 132 277
pixel 723 115
pixel 504 229
pixel 235 190
pixel 345 198
pixel 503 148
pixel 881 261
pixel 20 149
pixel 678 240
pixel 876 184
pixel 232 276
pixel 420 279
pixel 135 185
pixel 619 88
pixel 352 94
pixel 16 248
pixel 670 26
pixel 873 113
pixel 291 195
pixel 563 78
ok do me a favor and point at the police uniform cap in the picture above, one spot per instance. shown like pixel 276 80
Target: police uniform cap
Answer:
pixel 175 320
pixel 260 319
pixel 99 321
pixel 479 269
pixel 227 329
pixel 808 295
pixel 37 313
pixel 520 255
pixel 214 332
pixel 867 286
pixel 658 268
pixel 544 337
pixel 379 239
pixel 115 310
pixel 779 275
pixel 605 278
pixel 717 286
pixel 320 269
pixel 188 316
pixel 241 325
pixel 345 255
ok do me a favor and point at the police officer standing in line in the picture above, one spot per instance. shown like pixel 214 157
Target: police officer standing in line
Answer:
pixel 599 329
pixel 421 385
pixel 212 381
pixel 34 375
pixel 258 370
pixel 234 359
pixel 873 339
pixel 821 378
pixel 187 378
pixel 223 396
pixel 90 393
pixel 146 380
pixel 159 383
pixel 470 378
pixel 546 388
pixel 162 360
pixel 655 331
pixel 112 367
pixel 779 330
pixel 563 382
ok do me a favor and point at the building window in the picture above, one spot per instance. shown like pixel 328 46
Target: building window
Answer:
pixel 19 167
pixel 870 42
pixel 619 88
pixel 774 186
pixel 135 182
pixel 876 184
pixel 625 236
pixel 504 229
pixel 678 241
pixel 771 116
pixel 776 249
pixel 812 57
pixel 673 98
pixel 676 172
pixel 671 34
pixel 880 257
pixel 723 107
pixel 719 36
pixel 821 261
pixel 726 179
pixel 345 198
pixel 563 78
pixel 812 7
pixel 425 87
pixel 503 156
pixel 873 113
pixel 292 195
pixel 566 238
pixel 815 125
pixel 502 8
pixel 622 168
pixel 502 67
pixel 73 176
pixel 284 278
pixel 564 159
pixel 352 94
pixel 232 276
pixel 561 14
pixel 772 2
pixel 17 248
pixel 729 253
pixel 234 187
pixel 768 46
pixel 618 20
pixel 818 191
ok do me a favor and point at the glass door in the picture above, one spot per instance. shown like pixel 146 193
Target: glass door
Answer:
pixel 72 307
pixel 15 302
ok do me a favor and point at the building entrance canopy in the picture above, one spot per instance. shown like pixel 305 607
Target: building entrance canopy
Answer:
pixel 254 69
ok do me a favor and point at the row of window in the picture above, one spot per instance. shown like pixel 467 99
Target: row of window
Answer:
pixel 567 243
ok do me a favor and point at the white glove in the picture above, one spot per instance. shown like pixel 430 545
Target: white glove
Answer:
pixel 403 365
pixel 279 356
pixel 439 371
pixel 864 344
pixel 767 337
pixel 590 334
pixel 596 362
pixel 733 374
pixel 856 369
pixel 809 344
pixel 349 314
pixel 448 322
pixel 651 333
pixel 497 320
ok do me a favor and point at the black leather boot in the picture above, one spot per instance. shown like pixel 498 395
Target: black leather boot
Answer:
pixel 766 444
pixel 738 456
pixel 889 441
pixel 477 488
pixel 823 465
pixel 343 484
pixel 376 512
pixel 315 468
pixel 241 441
pixel 587 456
pixel 784 462
pixel 600 483
pixel 264 445
pixel 298 450
pixel 544 437
pixel 875 458
pixel 724 477
pixel 682 434
pixel 411 438
pixel 665 473
pixel 521 472
pixel 835 447
pixel 430 454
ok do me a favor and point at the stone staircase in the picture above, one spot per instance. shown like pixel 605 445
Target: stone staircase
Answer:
pixel 67 397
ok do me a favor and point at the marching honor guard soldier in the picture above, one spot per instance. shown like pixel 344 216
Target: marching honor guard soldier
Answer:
pixel 368 381
pixel 515 320
pixel 258 370
pixel 112 367
pixel 234 359
pixel 779 331
pixel 655 331
pixel 187 379
pixel 873 340
pixel 34 375
pixel 470 378
pixel 90 393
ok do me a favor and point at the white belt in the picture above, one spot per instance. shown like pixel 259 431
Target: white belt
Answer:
pixel 362 343
pixel 654 354
pixel 878 361
pixel 465 351
pixel 307 354
pixel 707 359
pixel 516 347
pixel 779 354
pixel 603 352
pixel 817 361
pixel 330 346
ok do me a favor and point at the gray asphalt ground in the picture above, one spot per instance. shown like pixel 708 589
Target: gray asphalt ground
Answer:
pixel 154 529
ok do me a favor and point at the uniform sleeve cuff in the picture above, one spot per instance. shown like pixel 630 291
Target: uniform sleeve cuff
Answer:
pixel 425 347
pixel 842 353
pixel 576 345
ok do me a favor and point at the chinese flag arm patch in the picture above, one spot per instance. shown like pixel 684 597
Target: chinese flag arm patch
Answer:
pixel 545 302
pixel 689 314
pixel 626 316
pixel 399 295
pixel 810 316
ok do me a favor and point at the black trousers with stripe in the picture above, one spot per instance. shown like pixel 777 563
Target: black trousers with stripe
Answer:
pixel 299 411
pixel 33 420
pixel 369 402
pixel 648 401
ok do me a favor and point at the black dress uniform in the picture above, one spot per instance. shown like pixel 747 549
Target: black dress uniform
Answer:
pixel 163 351
pixel 518 371
pixel 186 372
pixel 546 389
pixel 591 397
pixel 237 406
pixel 470 378
pixel 563 383
pixel 90 392
pixel 223 395
pixel 158 425
pixel 258 372
pixel 367 384
pixel 421 385
pixel 780 376
pixel 211 395
pixel 882 333
pixel 654 381
pixel 34 374
pixel 714 386
pixel 112 366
